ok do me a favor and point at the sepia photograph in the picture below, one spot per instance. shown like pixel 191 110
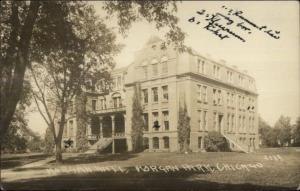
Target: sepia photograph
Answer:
pixel 150 95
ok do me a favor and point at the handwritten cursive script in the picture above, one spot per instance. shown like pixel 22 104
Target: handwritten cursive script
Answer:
pixel 231 23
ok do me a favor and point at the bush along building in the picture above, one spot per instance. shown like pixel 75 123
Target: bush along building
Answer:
pixel 217 97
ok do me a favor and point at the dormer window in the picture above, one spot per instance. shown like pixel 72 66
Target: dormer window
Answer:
pixel 164 64
pixel 154 67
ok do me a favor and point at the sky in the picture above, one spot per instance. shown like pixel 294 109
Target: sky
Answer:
pixel 274 63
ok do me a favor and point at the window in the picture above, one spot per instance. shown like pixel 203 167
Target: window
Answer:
pixel 200 142
pixel 249 125
pixel 164 64
pixel 166 119
pixel 154 95
pixel 232 100
pixel 216 71
pixel 94 102
pixel 239 123
pixel 200 66
pixel 229 76
pixel 154 69
pixel 243 102
pixel 199 92
pixel 155 143
pixel 71 133
pixel 204 93
pixel 145 95
pixel 145 71
pixel 241 80
pixel 117 102
pixel 156 125
pixel 199 121
pixel 146 122
pixel 232 122
pixel 228 122
pixel 165 93
pixel 228 98
pixel 204 119
pixel 166 142
pixel 102 104
pixel 243 124
pixel 220 100
pixel 214 97
pixel 215 121
pixel 119 82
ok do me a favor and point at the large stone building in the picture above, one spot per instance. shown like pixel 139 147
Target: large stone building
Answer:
pixel 217 97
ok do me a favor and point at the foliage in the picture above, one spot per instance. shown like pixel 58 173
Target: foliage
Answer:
pixel 17 21
pixel 162 13
pixel 184 129
pixel 268 135
pixel 137 121
pixel 35 144
pixel 69 43
pixel 284 127
pixel 215 142
pixel 33 30
pixel 67 69
pixel 16 139
pixel 296 133
pixel 81 117
pixel 49 142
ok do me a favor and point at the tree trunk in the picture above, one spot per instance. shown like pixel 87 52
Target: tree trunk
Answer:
pixel 58 153
pixel 10 98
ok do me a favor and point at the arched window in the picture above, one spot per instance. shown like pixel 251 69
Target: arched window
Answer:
pixel 166 142
pixel 117 101
pixel 155 143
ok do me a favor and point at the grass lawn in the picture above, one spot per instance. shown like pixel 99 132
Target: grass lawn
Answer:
pixel 16 160
pixel 267 169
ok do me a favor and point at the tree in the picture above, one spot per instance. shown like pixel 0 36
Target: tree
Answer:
pixel 284 127
pixel 17 22
pixel 263 130
pixel 69 69
pixel 49 142
pixel 268 135
pixel 137 120
pixel 16 138
pixel 183 129
pixel 215 142
pixel 81 117
pixel 14 141
pixel 48 19
pixel 296 133
pixel 162 13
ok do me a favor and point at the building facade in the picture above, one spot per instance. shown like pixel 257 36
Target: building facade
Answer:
pixel 217 97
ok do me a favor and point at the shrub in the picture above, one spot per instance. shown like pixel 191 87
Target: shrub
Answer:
pixel 215 142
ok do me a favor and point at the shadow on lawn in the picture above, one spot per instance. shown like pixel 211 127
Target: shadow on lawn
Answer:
pixel 133 180
pixel 13 162
pixel 85 159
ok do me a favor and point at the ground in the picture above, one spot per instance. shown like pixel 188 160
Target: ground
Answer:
pixel 267 169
